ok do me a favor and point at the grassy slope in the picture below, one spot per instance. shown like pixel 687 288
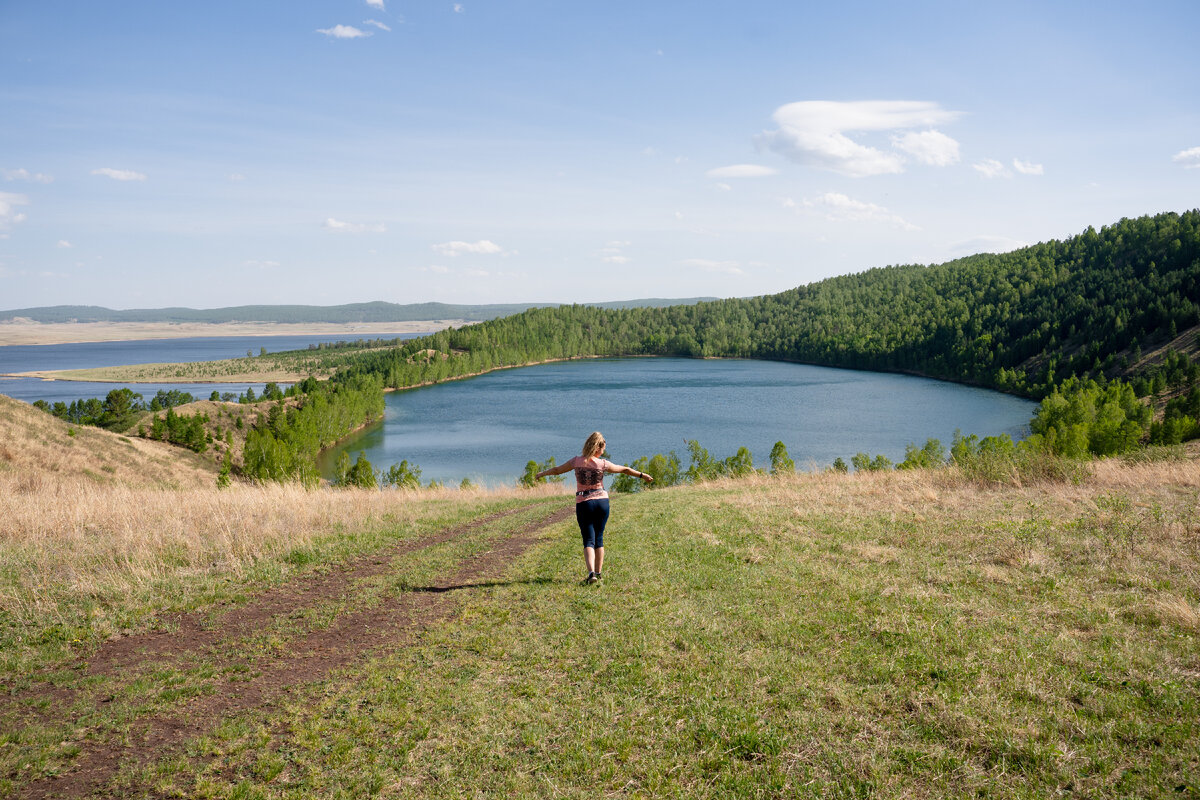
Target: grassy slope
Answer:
pixel 36 447
pixel 889 634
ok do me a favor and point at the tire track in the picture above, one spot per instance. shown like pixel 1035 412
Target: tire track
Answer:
pixel 311 657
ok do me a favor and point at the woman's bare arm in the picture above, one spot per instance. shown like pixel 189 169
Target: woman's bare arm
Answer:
pixel 559 470
pixel 630 471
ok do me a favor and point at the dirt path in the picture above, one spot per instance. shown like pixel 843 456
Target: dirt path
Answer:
pixel 309 657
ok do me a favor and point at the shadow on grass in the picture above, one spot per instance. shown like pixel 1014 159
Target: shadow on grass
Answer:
pixel 454 587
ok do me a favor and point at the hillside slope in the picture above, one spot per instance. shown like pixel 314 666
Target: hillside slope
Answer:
pixel 35 446
pixel 1021 322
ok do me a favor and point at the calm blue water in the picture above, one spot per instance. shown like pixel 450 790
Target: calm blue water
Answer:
pixel 487 428
pixel 27 358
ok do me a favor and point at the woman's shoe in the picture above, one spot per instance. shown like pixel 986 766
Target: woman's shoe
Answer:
pixel 593 577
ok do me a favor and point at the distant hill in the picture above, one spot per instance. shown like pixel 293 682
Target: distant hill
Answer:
pixel 349 313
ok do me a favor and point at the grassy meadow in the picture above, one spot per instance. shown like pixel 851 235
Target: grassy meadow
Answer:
pixel 898 634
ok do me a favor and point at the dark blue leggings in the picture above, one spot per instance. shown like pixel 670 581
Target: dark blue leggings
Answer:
pixel 592 516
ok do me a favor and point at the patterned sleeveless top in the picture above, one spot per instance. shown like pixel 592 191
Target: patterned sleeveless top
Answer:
pixel 589 478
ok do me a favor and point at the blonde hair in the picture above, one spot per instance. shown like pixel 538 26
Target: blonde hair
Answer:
pixel 594 441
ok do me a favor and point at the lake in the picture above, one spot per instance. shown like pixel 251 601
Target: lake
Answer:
pixel 83 355
pixel 486 428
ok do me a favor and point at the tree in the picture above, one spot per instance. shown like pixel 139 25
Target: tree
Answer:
pixel 361 474
pixel 781 462
pixel 223 479
pixel 403 476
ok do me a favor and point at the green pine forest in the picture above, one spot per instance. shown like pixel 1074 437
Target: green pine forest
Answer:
pixel 1020 322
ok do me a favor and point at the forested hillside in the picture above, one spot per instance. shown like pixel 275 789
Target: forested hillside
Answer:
pixel 1019 322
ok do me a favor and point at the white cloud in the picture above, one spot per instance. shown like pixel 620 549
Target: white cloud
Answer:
pixel 343 32
pixel 261 264
pixel 458 8
pixel 929 147
pixel 438 268
pixel 483 247
pixel 377 24
pixel 120 174
pixel 476 273
pixel 724 187
pixel 840 208
pixel 23 174
pixel 742 171
pixel 1027 168
pixel 376 4
pixel 237 176
pixel 613 253
pixel 814 132
pixel 338 226
pixel 9 215
pixel 1190 158
pixel 991 168
pixel 989 244
pixel 63 243
pixel 709 265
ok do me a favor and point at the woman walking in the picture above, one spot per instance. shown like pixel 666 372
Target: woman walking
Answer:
pixel 591 501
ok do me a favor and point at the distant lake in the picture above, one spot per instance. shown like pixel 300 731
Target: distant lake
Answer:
pixel 83 355
pixel 487 428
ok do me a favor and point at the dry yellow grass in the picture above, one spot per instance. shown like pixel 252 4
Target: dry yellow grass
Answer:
pixel 37 450
pixel 69 537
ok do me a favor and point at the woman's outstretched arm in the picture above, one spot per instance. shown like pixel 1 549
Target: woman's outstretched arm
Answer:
pixel 630 471
pixel 559 470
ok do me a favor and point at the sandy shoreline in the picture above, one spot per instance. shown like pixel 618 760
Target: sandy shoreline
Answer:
pixel 72 332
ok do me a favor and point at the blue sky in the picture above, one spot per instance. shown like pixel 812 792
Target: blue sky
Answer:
pixel 156 154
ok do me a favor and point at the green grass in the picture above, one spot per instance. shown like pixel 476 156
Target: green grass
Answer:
pixel 830 637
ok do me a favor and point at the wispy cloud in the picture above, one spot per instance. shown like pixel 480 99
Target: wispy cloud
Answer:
pixel 236 177
pixel 454 249
pixel 709 265
pixel 1190 158
pixel 120 174
pixel 376 4
pixel 928 147
pixel 343 32
pixel 1027 168
pixel 742 171
pixel 458 8
pixel 839 207
pixel 377 24
pixel 613 253
pixel 337 226
pixel 814 133
pixel 63 243
pixel 991 168
pixel 23 174
pixel 261 264
pixel 9 215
